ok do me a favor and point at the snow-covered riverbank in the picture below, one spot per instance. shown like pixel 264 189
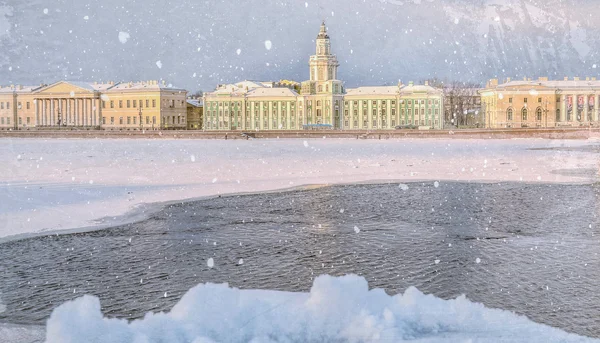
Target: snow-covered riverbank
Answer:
pixel 61 184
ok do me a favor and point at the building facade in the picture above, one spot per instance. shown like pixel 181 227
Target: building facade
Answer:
pixel 322 101
pixel 111 106
pixel 541 103
pixel 195 111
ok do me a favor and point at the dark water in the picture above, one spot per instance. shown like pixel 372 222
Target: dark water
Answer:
pixel 537 245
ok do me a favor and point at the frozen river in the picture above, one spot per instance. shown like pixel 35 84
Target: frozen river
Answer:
pixel 521 238
pixel 531 249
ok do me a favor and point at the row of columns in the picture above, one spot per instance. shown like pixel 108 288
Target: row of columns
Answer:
pixel 67 112
pixel 575 107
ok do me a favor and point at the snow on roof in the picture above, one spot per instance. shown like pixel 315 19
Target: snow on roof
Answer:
pixel 144 85
pixel 373 90
pixel 419 89
pixel 195 102
pixel 18 89
pixel 553 84
pixel 278 91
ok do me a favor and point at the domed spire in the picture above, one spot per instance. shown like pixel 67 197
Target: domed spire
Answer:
pixel 323 31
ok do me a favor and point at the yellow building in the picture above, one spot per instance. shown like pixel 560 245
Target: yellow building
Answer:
pixel 85 105
pixel 541 103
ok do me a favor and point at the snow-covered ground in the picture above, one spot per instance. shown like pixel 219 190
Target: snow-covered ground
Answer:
pixel 59 184
pixel 71 184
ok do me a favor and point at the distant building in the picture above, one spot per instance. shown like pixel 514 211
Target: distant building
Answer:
pixel 541 103
pixel 321 101
pixel 87 105
pixel 195 110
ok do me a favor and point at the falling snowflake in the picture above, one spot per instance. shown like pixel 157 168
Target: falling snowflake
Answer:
pixel 238 51
pixel 241 261
pixel 210 263
pixel 123 37
pixel 356 229
pixel 45 11
pixel 159 64
pixel 268 45
pixel 478 260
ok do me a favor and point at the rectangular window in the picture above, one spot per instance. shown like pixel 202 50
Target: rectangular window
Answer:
pixel 128 120
pixel 510 100
pixel 539 99
pixel 134 121
pixel 141 103
pixel 153 102
pixel 525 100
pixel 103 104
pixel 103 120
pixel 112 120
pixel 27 104
pixel 8 105
pixel 134 103
pixel 1 105
pixel 147 103
pixel 120 120
pixel 128 103
pixel 20 121
pixel 147 119
pixel 153 120
pixel 120 103
pixel 28 120
pixel 112 104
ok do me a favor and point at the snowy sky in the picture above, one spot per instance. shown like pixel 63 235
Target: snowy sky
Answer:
pixel 198 44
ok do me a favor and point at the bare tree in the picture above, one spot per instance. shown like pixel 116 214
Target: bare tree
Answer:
pixel 462 103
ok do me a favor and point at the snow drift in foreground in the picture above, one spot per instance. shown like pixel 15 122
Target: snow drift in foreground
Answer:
pixel 337 309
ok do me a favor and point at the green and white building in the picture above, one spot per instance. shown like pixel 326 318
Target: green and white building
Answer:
pixel 251 105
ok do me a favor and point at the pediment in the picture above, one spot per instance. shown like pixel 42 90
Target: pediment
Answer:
pixel 66 88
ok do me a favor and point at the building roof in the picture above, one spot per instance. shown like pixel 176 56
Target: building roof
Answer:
pixel 196 102
pixel 144 85
pixel 419 89
pixel 553 84
pixel 373 90
pixel 18 89
pixel 266 92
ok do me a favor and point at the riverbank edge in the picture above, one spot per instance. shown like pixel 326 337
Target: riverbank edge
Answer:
pixel 539 133
pixel 143 211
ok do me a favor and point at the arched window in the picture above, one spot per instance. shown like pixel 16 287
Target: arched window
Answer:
pixel 538 114
pixel 509 114
pixel 318 102
pixel 524 114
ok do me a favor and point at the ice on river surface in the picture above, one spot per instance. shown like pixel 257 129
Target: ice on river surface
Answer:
pixel 336 309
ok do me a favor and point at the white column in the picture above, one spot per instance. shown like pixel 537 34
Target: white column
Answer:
pixel 84 111
pixel 596 109
pixel 77 112
pixel 68 111
pixel 44 112
pixel 585 108
pixel 37 114
pixel 563 109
